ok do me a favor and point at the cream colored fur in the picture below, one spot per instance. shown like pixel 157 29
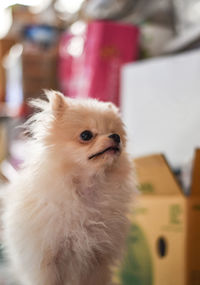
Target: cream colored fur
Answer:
pixel 65 216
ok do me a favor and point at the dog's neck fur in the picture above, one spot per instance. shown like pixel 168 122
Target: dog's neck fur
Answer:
pixel 68 177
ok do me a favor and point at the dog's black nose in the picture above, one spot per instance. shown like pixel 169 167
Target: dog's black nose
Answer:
pixel 115 137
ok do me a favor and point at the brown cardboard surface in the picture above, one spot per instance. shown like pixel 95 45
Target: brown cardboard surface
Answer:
pixel 193 241
pixel 39 71
pixel 193 231
pixel 164 242
pixel 155 177
pixel 195 187
pixel 165 219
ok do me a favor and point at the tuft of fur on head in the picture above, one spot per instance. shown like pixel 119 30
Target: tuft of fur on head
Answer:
pixel 67 210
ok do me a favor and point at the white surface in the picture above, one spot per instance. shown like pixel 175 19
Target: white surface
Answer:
pixel 161 106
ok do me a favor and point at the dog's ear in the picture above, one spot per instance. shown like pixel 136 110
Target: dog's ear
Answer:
pixel 57 101
pixel 113 107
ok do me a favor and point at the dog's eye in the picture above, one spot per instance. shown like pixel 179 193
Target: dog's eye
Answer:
pixel 86 135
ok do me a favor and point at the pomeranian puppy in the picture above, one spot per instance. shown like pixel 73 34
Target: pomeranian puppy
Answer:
pixel 65 215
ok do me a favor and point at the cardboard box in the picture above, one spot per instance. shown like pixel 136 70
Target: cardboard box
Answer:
pixel 39 71
pixel 164 241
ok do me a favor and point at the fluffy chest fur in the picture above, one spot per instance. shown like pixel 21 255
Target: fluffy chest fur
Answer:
pixel 88 220
pixel 69 220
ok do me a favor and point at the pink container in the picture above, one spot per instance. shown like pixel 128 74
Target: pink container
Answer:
pixel 95 72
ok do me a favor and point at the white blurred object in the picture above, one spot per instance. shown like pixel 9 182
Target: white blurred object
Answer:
pixel 187 14
pixel 7 3
pixel 75 46
pixel 154 38
pixel 68 6
pixel 187 26
pixel 5 21
pixel 161 106
pixel 78 28
pixel 14 91
pixel 18 153
pixel 186 176
pixel 39 6
pixel 8 170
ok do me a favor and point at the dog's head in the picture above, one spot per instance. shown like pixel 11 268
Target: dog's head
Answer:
pixel 84 132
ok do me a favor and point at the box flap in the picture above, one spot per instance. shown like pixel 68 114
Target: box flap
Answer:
pixel 155 176
pixel 195 185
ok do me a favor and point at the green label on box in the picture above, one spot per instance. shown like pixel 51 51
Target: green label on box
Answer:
pixel 175 214
pixel 146 188
pixel 137 266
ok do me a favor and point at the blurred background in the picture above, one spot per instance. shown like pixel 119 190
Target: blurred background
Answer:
pixel 143 55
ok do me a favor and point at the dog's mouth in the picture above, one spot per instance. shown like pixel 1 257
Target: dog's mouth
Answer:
pixel 113 149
